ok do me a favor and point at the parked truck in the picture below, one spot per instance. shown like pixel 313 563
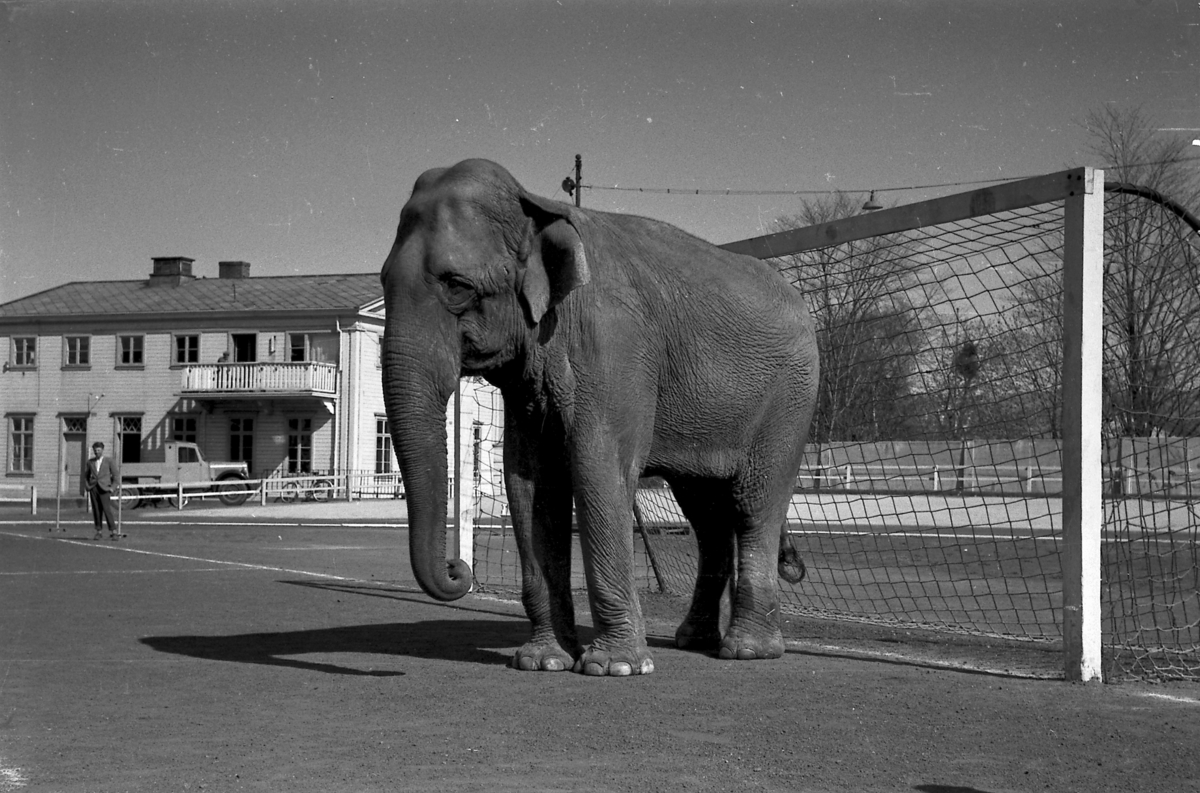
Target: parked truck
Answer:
pixel 184 464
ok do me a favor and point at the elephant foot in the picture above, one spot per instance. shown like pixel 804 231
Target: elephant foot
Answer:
pixel 542 658
pixel 742 645
pixel 698 635
pixel 620 663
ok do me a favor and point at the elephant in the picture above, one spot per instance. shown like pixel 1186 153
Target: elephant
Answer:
pixel 622 347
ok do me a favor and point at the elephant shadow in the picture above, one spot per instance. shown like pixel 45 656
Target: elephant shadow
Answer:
pixel 463 640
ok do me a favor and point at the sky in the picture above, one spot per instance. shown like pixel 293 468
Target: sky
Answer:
pixel 288 133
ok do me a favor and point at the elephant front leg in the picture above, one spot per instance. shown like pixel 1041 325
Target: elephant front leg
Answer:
pixel 541 513
pixel 606 534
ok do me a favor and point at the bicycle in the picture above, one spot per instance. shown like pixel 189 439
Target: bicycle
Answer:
pixel 311 488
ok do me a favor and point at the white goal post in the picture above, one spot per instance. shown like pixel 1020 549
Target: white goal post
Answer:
pixel 1082 192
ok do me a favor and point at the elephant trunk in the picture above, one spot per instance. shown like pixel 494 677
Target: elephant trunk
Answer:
pixel 416 395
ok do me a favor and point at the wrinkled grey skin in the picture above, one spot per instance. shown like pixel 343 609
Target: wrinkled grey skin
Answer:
pixel 623 347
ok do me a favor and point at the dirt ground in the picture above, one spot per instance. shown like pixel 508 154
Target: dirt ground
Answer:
pixel 257 656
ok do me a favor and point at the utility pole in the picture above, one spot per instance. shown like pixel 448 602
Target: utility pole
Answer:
pixel 574 186
pixel 578 178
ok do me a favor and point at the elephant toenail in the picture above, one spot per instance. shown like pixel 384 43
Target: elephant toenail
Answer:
pixel 594 669
pixel 552 665
pixel 620 670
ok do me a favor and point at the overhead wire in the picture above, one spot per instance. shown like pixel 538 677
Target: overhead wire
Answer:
pixel 827 191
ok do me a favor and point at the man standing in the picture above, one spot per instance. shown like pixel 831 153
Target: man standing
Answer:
pixel 101 477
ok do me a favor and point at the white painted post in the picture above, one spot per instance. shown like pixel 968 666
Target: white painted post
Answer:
pixel 464 478
pixel 33 500
pixel 1083 349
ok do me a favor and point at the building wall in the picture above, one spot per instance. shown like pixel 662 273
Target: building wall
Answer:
pixel 369 406
pixel 51 392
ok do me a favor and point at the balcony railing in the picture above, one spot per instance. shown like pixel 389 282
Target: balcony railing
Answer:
pixel 268 378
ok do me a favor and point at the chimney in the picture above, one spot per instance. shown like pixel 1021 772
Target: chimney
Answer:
pixel 171 270
pixel 234 270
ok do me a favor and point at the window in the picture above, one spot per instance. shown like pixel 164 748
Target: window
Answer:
pixel 24 352
pixel 129 438
pixel 187 349
pixel 183 428
pixel 20 444
pixel 241 441
pixel 129 352
pixel 187 454
pixel 383 446
pixel 245 347
pixel 299 446
pixel 79 351
pixel 75 424
pixel 297 347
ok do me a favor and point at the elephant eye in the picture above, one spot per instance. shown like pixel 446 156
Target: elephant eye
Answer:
pixel 460 293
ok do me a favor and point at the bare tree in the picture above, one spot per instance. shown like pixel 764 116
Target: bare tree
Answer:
pixel 867 328
pixel 1151 278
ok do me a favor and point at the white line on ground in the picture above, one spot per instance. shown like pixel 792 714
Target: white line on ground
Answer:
pixel 127 549
pixel 124 572
pixel 332 548
pixel 202 524
pixel 915 658
pixel 1169 697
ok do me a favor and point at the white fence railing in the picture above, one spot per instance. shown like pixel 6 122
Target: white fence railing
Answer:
pixel 975 479
pixel 25 494
pixel 268 377
pixel 345 486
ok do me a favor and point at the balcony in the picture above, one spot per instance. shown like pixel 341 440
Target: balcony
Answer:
pixel 260 379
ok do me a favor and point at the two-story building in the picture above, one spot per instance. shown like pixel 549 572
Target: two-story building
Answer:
pixel 280 372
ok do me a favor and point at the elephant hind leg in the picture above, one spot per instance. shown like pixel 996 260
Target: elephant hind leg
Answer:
pixel 722 521
pixel 708 506
pixel 763 549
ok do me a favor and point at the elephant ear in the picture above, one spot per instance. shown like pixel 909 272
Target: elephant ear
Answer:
pixel 553 254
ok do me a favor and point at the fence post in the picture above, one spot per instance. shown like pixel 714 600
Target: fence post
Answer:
pixel 179 495
pixel 937 479
pixel 1083 358
pixel 464 476
pixel 33 500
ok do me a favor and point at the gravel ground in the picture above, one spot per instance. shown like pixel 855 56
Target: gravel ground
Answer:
pixel 271 657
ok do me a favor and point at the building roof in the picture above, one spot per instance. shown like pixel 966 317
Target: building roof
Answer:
pixel 353 292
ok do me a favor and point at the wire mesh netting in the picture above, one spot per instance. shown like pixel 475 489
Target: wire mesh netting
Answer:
pixel 1151 552
pixel 930 495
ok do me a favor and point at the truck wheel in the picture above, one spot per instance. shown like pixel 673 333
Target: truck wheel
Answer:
pixel 131 496
pixel 173 500
pixel 233 491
